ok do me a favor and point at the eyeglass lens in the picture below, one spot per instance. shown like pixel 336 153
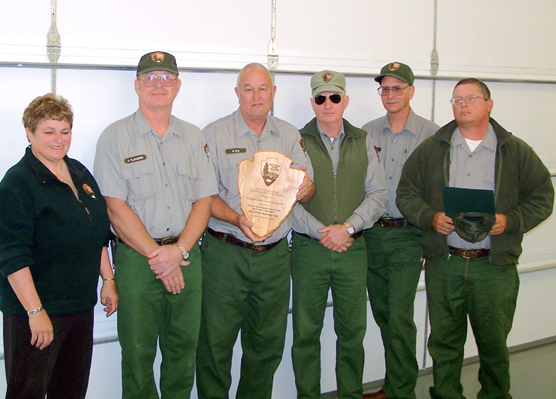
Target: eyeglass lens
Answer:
pixel 165 80
pixel 321 98
pixel 397 90
pixel 468 100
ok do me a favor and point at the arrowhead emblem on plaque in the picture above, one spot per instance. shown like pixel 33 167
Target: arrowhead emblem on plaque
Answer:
pixel 267 189
pixel 270 170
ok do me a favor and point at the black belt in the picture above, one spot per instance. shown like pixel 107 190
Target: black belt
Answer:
pixel 354 235
pixel 392 222
pixel 230 239
pixel 470 253
pixel 161 241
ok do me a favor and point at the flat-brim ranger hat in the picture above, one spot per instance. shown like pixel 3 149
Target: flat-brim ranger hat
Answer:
pixel 397 70
pixel 473 226
pixel 157 61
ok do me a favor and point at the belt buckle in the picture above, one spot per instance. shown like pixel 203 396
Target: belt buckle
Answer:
pixel 464 255
pixel 258 248
pixel 166 240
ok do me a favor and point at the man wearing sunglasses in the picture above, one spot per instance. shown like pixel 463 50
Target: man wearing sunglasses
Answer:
pixel 473 280
pixel 246 284
pixel 155 174
pixel 328 250
pixel 394 246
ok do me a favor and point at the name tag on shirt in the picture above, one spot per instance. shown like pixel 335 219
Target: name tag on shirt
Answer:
pixel 135 158
pixel 235 150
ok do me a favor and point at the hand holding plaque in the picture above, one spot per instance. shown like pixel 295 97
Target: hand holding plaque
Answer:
pixel 267 190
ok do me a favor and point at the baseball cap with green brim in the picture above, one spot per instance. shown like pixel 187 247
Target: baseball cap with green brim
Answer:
pixel 328 81
pixel 397 70
pixel 473 226
pixel 157 61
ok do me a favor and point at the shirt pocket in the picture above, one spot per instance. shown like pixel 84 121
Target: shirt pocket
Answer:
pixel 229 173
pixel 139 177
pixel 189 180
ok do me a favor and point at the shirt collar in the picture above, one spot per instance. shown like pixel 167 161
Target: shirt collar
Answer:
pixel 326 136
pixel 44 174
pixel 144 127
pixel 488 142
pixel 243 128
pixel 410 124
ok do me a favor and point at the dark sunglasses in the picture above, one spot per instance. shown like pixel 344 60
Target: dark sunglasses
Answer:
pixel 321 98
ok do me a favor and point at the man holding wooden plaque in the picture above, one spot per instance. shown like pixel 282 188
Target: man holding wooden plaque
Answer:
pixel 328 250
pixel 246 262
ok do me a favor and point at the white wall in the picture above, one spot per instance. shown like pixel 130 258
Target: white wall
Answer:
pixel 497 40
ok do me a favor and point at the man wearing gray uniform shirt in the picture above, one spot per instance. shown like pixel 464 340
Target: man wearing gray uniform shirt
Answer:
pixel 246 284
pixel 155 173
pixel 393 245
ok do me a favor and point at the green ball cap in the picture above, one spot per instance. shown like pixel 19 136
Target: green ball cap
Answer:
pixel 473 226
pixel 157 61
pixel 328 81
pixel 397 70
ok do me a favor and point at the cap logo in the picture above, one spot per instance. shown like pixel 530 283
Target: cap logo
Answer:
pixel 327 77
pixel 393 66
pixel 157 57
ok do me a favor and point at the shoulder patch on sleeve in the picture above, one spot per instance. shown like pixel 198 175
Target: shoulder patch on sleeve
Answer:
pixel 533 151
pixel 302 144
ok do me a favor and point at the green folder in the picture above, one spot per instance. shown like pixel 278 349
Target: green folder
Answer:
pixel 458 200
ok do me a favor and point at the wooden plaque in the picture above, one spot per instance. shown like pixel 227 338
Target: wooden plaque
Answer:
pixel 267 189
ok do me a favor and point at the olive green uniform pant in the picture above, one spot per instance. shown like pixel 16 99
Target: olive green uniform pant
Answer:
pixel 459 288
pixel 248 291
pixel 147 314
pixel 315 271
pixel 394 268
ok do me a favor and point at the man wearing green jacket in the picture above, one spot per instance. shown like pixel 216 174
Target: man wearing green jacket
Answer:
pixel 328 251
pixel 472 279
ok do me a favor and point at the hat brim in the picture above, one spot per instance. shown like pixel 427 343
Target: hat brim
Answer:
pixel 379 78
pixel 328 88
pixel 157 68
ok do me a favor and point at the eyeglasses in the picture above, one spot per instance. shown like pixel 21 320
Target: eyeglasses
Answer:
pixel 321 98
pixel 397 90
pixel 468 100
pixel 165 80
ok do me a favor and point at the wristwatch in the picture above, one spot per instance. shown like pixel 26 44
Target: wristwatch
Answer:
pixel 184 251
pixel 349 228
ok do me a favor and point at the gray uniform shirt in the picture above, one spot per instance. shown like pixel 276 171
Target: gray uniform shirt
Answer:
pixel 231 140
pixel 333 146
pixel 372 207
pixel 158 177
pixel 394 149
pixel 472 170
